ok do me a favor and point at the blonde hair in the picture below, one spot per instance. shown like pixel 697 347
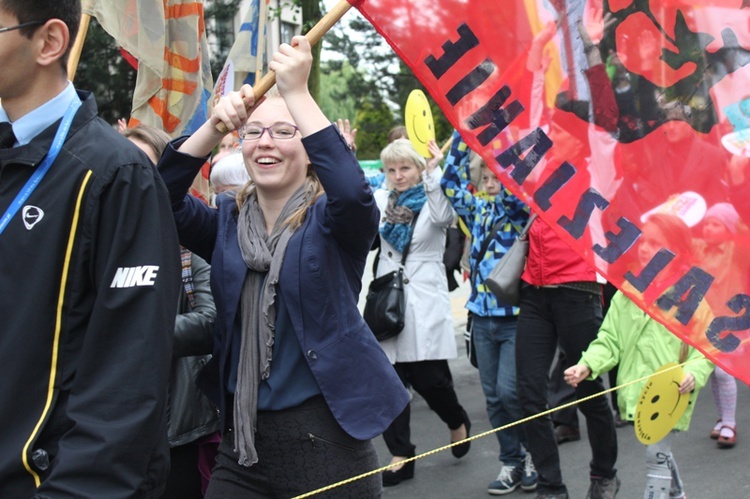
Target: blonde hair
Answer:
pixel 476 169
pixel 314 190
pixel 402 150
pixel 154 138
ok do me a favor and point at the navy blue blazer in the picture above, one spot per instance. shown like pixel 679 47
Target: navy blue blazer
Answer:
pixel 320 281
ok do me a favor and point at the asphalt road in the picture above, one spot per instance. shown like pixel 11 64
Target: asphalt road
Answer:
pixel 707 471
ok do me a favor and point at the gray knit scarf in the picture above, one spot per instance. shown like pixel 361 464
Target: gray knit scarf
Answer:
pixel 264 255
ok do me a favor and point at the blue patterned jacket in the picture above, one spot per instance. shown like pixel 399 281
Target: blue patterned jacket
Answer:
pixel 480 215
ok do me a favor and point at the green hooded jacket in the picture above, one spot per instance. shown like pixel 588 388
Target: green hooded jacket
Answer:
pixel 640 345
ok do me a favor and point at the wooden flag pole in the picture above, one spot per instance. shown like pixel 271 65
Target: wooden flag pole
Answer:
pixel 447 144
pixel 261 47
pixel 75 51
pixel 313 36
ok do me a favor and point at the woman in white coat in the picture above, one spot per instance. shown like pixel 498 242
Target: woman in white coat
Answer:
pixel 420 352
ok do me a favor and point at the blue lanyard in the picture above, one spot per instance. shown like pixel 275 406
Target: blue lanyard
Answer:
pixel 43 168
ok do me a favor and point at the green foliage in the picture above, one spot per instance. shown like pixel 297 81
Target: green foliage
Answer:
pixel 346 94
pixel 378 75
pixel 334 97
pixel 103 70
pixel 373 121
pixel 311 14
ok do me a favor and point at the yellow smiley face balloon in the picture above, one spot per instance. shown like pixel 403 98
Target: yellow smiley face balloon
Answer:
pixel 661 405
pixel 418 120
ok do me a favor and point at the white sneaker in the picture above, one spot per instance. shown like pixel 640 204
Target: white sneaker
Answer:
pixel 506 482
pixel 529 476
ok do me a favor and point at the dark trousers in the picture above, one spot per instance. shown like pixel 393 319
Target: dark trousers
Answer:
pixel 433 381
pixel 184 481
pixel 299 450
pixel 561 393
pixel 571 318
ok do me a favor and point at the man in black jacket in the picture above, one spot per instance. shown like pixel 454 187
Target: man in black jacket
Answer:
pixel 89 273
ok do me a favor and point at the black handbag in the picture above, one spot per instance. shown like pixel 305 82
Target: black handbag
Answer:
pixel 385 305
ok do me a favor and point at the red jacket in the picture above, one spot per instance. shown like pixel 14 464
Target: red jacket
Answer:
pixel 551 261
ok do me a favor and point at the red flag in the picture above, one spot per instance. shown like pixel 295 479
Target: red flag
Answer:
pixel 659 123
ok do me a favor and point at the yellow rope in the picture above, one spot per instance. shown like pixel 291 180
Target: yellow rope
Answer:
pixel 482 435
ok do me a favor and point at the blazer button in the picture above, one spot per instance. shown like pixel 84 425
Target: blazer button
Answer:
pixel 312 355
pixel 390 253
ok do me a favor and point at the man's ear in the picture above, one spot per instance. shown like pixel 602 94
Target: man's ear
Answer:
pixel 53 39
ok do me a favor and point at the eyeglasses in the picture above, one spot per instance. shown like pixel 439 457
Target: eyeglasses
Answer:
pixel 279 131
pixel 21 26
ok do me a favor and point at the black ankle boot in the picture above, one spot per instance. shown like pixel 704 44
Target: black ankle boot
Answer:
pixel 391 478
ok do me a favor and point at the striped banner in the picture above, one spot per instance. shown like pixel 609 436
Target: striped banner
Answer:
pixel 168 39
pixel 247 55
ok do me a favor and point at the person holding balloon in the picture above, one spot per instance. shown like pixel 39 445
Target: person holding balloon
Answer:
pixel 641 346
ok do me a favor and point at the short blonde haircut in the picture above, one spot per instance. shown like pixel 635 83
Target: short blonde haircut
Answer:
pixel 402 150
pixel 476 170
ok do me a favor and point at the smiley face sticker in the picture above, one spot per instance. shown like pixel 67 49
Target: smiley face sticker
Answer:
pixel 419 123
pixel 661 404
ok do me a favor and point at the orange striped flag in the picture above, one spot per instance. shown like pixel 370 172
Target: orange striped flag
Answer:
pixel 168 38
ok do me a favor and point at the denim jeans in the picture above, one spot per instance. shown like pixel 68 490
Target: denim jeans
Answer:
pixel 495 344
pixel 572 318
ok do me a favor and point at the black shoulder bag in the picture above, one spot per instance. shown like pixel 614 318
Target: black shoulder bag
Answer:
pixel 385 306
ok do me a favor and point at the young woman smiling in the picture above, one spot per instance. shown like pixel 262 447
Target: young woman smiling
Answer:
pixel 287 261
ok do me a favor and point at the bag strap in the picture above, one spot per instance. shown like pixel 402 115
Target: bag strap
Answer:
pixel 522 234
pixel 485 244
pixel 522 231
pixel 492 234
